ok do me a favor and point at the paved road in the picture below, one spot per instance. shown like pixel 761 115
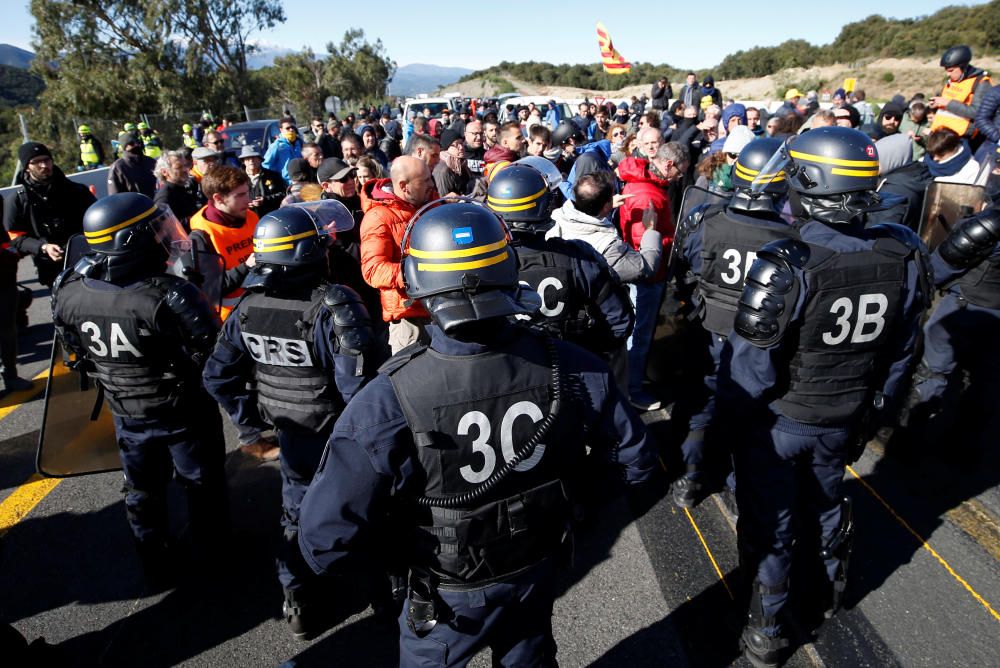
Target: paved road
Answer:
pixel 650 584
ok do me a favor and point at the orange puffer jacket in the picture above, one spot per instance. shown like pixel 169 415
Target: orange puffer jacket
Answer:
pixel 382 228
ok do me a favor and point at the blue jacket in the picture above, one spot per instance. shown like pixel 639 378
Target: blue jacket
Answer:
pixel 279 153
pixel 748 371
pixel 988 115
pixel 591 157
pixel 371 463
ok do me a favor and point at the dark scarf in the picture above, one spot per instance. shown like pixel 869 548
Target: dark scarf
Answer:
pixel 213 215
pixel 953 166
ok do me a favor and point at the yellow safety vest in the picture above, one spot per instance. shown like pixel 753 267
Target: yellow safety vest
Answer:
pixel 960 91
pixel 190 142
pixel 88 156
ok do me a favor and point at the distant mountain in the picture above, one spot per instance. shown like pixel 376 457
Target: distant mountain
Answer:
pixel 14 57
pixel 419 78
pixel 265 55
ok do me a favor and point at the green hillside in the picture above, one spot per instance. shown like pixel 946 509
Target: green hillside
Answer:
pixel 873 37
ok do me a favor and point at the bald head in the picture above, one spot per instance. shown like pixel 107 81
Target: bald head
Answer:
pixel 649 141
pixel 411 180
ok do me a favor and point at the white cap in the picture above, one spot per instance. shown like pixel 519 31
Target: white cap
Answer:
pixel 737 140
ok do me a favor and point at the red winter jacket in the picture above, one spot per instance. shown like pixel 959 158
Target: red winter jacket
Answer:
pixel 645 188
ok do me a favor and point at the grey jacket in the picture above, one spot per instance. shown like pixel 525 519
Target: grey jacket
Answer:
pixel 631 265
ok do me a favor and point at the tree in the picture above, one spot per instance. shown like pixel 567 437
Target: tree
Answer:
pixel 217 32
pixel 299 80
pixel 357 70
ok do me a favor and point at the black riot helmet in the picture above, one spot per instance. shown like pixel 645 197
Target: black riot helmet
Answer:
pixel 132 236
pixel 833 169
pixel 458 261
pixel 957 56
pixel 747 168
pixel 565 131
pixel 520 195
pixel 291 243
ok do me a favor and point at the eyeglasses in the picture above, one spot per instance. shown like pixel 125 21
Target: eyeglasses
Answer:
pixel 733 155
pixel 892 117
pixel 617 132
pixel 474 134
pixel 220 142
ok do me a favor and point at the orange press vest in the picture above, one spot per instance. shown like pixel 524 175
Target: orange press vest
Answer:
pixel 962 92
pixel 234 244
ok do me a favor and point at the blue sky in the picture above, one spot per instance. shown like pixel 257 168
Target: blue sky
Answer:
pixel 685 36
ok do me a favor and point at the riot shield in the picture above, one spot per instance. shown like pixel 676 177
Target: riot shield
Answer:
pixel 77 435
pixel 944 205
pixel 205 269
pixel 696 196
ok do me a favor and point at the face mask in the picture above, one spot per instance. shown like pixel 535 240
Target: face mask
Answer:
pixel 289 135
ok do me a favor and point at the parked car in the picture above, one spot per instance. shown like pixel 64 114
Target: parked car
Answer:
pixel 261 133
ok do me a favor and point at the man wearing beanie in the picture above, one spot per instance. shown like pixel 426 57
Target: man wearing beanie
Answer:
pixel 133 172
pixel 452 174
pixel 45 211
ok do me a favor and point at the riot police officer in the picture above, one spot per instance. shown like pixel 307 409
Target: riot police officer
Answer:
pixel 582 301
pixel 963 328
pixel 715 246
pixel 143 335
pixel 306 347
pixel 823 336
pixel 469 443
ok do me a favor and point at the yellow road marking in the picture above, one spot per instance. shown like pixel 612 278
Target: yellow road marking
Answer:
pixel 20 502
pixel 15 399
pixel 711 557
pixel 926 546
pixel 976 520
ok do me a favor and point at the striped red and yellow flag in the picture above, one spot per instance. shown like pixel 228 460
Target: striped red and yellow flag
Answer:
pixel 613 61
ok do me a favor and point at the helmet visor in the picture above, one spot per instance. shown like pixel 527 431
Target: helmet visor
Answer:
pixel 329 215
pixel 548 169
pixel 772 170
pixel 170 233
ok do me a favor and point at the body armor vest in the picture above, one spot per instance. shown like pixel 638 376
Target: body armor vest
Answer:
pixel 293 392
pixel 854 302
pixel 981 284
pixel 140 369
pixel 469 415
pixel 552 275
pixel 730 246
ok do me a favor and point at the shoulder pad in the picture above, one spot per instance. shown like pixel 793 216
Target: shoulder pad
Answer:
pixel 972 240
pixel 198 319
pixel 770 292
pixel 898 233
pixel 401 358
pixel 351 322
pixel 791 251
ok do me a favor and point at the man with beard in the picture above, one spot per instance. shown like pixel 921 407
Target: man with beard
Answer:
pixel 45 212
pixel 452 174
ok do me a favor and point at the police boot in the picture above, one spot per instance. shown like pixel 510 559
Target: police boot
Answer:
pixel 156 558
pixel 309 614
pixel 761 650
pixel 686 491
pixel 295 611
pixel 761 641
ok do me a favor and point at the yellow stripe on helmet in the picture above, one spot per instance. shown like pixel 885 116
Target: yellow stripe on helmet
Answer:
pixel 822 159
pixel 520 200
pixel 115 228
pixel 260 249
pixel 461 252
pixel 854 172
pixel 278 240
pixel 463 266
